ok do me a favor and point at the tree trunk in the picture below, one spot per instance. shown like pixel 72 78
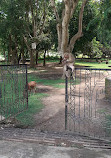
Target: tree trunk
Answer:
pixel 19 58
pixel 64 45
pixel 36 58
pixel 31 51
pixel 59 33
pixel 10 49
pixel 23 56
pixel 32 63
pixel 14 59
pixel 44 61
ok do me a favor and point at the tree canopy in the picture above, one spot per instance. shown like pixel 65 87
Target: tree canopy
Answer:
pixel 66 26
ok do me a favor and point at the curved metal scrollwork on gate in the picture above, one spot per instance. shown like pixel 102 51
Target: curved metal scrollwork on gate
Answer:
pixel 88 109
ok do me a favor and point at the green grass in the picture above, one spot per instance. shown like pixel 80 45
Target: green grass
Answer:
pixel 108 125
pixel 35 105
pixel 102 65
pixel 59 83
pixel 107 122
pixel 54 83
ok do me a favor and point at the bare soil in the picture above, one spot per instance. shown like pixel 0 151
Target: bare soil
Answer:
pixel 52 117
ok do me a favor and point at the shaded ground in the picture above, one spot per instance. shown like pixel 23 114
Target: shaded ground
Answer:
pixel 51 118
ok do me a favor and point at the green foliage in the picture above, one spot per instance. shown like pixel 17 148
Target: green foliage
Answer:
pixel 103 18
pixel 19 19
pixel 96 48
pixel 26 118
pixel 93 49
pixel 88 34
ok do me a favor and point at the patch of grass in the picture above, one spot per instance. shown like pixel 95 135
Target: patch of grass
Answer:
pixel 48 82
pixel 102 111
pixel 101 65
pixel 54 83
pixel 59 83
pixel 108 125
pixel 34 106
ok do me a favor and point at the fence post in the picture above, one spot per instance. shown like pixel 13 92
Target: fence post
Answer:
pixel 66 99
pixel 0 90
pixel 26 86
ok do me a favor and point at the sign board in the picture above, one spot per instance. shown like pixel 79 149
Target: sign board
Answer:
pixel 34 45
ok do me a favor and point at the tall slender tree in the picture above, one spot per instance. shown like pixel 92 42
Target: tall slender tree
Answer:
pixel 69 7
pixel 35 18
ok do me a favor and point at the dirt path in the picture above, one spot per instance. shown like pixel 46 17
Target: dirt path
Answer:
pixel 51 118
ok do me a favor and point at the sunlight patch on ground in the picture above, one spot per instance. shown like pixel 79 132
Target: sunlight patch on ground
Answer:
pixel 57 67
pixel 30 71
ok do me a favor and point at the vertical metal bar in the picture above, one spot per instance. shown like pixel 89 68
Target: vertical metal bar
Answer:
pixel 0 98
pixel 0 89
pixel 85 96
pixel 79 95
pixel 74 92
pixel 26 88
pixel 66 100
pixel 90 93
pixel 79 101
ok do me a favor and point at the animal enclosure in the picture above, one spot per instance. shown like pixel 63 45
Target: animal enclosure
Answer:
pixel 87 109
pixel 13 91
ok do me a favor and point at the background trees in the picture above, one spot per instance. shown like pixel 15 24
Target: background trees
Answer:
pixel 62 25
pixel 102 20
pixel 22 23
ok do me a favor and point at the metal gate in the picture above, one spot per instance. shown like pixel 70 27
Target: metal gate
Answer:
pixel 88 103
pixel 13 90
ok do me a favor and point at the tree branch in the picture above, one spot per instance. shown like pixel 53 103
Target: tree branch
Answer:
pixel 52 2
pixel 44 17
pixel 25 40
pixel 81 16
pixel 65 23
pixel 73 5
pixel 79 33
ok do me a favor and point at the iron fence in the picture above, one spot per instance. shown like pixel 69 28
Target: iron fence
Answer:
pixel 88 103
pixel 13 90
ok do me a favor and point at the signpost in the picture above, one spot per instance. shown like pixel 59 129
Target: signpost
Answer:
pixel 33 45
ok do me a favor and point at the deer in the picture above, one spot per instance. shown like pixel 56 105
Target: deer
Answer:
pixel 32 86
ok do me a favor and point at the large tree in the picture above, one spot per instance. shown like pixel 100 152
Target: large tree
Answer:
pixel 11 27
pixel 22 23
pixel 69 7
pixel 35 17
